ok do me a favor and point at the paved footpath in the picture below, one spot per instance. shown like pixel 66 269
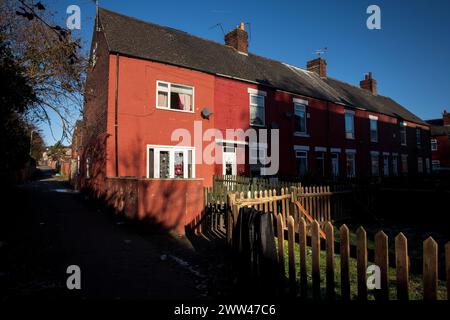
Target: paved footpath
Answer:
pixel 48 228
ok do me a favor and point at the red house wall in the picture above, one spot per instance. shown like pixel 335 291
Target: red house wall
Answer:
pixel 325 127
pixel 139 121
pixel 443 151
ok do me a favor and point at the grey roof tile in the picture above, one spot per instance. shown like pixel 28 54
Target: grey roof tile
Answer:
pixel 137 38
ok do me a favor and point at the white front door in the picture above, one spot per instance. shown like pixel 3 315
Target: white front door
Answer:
pixel 229 161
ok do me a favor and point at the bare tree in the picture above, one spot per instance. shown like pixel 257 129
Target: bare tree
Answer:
pixel 51 58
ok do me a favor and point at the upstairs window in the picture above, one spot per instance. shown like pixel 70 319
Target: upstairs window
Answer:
pixel 175 97
pixel 434 146
pixel 300 118
pixel 403 133
pixel 418 137
pixel 257 110
pixel 373 129
pixel 349 124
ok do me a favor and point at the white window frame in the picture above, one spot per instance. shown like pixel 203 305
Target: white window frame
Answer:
pixel 302 108
pixel 394 160
pixel 320 154
pixel 257 93
pixel 434 143
pixel 427 165
pixel 301 152
pixel 404 164
pixel 373 119
pixel 334 153
pixel 351 152
pixel 352 114
pixel 172 150
pixel 168 90
pixel 403 133
pixel 418 136
pixel 377 155
pixel 420 165
pixel 435 164
pixel 386 164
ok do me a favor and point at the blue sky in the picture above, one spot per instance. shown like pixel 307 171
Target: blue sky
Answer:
pixel 409 57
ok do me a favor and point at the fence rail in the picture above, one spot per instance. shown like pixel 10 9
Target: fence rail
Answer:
pixel 298 230
pixel 325 203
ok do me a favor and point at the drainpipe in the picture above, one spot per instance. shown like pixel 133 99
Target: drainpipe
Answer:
pixel 116 102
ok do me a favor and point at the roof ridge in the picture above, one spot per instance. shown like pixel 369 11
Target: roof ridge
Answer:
pixel 251 68
pixel 173 29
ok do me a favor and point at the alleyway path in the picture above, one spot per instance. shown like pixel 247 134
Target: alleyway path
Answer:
pixel 49 227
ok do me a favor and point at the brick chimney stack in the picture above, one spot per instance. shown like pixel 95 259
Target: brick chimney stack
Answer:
pixel 446 118
pixel 369 83
pixel 238 38
pixel 318 66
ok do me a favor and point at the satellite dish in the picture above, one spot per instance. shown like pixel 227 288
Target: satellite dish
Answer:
pixel 206 113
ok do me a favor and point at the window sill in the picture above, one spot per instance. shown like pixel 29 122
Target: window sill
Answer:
pixel 257 125
pixel 301 134
pixel 176 110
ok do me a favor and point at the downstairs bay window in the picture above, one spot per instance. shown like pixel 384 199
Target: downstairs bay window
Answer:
pixel 170 162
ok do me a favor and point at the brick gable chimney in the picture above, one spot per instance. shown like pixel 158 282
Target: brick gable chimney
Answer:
pixel 446 118
pixel 318 66
pixel 238 39
pixel 369 84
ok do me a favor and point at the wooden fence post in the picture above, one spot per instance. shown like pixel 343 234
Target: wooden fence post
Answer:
pixel 430 269
pixel 291 247
pixel 329 231
pixel 315 246
pixel 382 260
pixel 302 246
pixel 280 237
pixel 361 257
pixel 447 268
pixel 231 198
pixel 402 266
pixel 345 257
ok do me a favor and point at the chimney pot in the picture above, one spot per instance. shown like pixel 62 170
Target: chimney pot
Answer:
pixel 318 66
pixel 446 118
pixel 369 83
pixel 238 38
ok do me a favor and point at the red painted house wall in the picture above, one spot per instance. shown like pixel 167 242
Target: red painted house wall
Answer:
pixel 325 127
pixel 139 121
pixel 443 151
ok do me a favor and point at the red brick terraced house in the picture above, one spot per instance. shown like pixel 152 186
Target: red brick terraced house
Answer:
pixel 440 142
pixel 146 80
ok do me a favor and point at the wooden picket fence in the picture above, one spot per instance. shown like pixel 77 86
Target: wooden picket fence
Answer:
pixel 289 221
pixel 324 202
pixel 232 183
